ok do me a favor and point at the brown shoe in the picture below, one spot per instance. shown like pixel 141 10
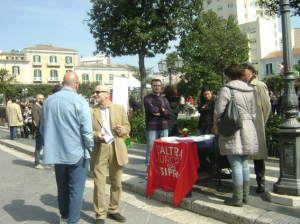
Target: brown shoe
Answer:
pixel 117 217
pixel 100 221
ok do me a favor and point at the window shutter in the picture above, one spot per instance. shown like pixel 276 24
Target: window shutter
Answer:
pixel 66 59
pixel 87 77
pixel 71 60
pixel 55 59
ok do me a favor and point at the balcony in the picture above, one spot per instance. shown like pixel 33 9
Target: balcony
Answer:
pixel 69 64
pixel 54 79
pixel 110 82
pixel 38 79
pixel 99 81
pixel 53 64
pixel 37 63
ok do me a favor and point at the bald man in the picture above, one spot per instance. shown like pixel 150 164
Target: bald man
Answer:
pixel 66 127
pixel 36 117
pixel 113 117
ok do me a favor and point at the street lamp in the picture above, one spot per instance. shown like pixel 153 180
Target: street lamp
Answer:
pixel 162 66
pixel 24 92
pixel 289 132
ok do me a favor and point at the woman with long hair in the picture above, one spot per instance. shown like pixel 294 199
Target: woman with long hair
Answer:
pixel 244 142
pixel 171 94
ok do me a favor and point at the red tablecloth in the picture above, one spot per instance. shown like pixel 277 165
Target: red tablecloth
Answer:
pixel 173 167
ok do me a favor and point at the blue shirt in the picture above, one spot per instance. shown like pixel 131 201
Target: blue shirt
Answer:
pixel 66 126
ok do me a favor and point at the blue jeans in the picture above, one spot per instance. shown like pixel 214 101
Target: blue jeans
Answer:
pixel 206 129
pixel 39 142
pixel 240 169
pixel 70 180
pixel 13 132
pixel 151 136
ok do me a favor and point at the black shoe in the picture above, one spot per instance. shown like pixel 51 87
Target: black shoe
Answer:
pixel 100 221
pixel 260 189
pixel 117 217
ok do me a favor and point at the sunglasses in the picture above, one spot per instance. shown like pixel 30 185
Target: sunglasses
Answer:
pixel 98 92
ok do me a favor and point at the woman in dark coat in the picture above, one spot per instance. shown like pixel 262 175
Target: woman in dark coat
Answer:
pixel 171 94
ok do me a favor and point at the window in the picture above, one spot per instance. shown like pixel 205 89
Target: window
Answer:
pixel 209 10
pixel 53 73
pixel 9 58
pixel 253 41
pixel 53 59
pixel 37 73
pixel 221 17
pixel 111 78
pixel 274 25
pixel 85 77
pixel 252 30
pixel 123 75
pixel 209 1
pixel 220 8
pixel 230 5
pixel 275 34
pixel 16 70
pixel 269 69
pixel 19 58
pixel 254 51
pixel 36 58
pixel 68 60
pixel 99 77
pixel 69 71
pixel 275 42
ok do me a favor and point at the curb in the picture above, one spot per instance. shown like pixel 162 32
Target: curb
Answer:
pixel 199 203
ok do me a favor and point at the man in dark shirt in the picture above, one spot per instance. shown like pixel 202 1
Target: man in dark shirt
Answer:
pixel 156 109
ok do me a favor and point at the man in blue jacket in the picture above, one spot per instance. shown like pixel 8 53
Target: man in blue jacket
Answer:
pixel 67 131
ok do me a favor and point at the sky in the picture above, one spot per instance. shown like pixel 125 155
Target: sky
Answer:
pixel 25 23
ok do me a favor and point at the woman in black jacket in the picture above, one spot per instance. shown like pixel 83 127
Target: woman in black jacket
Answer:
pixel 206 110
pixel 171 94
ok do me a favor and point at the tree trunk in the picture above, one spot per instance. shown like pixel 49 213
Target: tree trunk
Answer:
pixel 143 77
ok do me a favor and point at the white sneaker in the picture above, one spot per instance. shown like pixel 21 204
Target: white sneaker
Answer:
pixel 63 221
pixel 39 167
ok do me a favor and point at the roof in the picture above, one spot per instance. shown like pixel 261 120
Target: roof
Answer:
pixel 49 47
pixel 275 54
pixel 102 65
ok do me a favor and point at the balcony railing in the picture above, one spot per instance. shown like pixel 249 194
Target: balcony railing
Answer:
pixel 69 64
pixel 37 79
pixel 110 82
pixel 36 63
pixel 55 64
pixel 99 81
pixel 54 79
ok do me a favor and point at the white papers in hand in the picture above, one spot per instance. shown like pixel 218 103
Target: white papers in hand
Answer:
pixel 108 137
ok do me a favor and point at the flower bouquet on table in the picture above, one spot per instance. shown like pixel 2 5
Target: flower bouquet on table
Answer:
pixel 184 132
pixel 191 108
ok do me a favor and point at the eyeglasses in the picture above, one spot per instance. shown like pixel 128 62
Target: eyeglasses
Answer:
pixel 157 86
pixel 98 92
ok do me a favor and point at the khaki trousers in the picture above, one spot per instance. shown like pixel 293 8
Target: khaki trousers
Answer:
pixel 107 155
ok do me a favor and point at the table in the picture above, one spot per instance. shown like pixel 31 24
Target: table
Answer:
pixel 173 166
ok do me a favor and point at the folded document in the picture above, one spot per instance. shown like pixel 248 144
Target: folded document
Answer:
pixel 108 137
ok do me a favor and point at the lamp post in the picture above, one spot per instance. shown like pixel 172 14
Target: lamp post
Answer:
pixel 289 132
pixel 24 92
pixel 162 66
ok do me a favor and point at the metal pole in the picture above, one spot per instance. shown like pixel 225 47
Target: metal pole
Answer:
pixel 170 75
pixel 289 132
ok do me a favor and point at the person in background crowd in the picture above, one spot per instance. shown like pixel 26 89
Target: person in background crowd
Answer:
pixel 276 106
pixel 244 142
pixel 272 97
pixel 182 103
pixel 66 127
pixel 113 118
pixel 171 95
pixel 134 105
pixel 280 102
pixel 39 141
pixel 15 118
pixel 157 108
pixel 263 108
pixel 2 115
pixel 205 124
pixel 191 100
pixel 56 88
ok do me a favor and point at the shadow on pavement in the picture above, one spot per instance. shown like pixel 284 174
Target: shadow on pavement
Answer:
pixel 24 163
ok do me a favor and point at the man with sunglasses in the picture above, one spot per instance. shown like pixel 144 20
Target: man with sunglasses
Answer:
pixel 66 128
pixel 108 119
pixel 157 108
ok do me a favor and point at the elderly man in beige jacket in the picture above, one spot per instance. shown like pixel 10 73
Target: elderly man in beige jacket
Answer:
pixel 263 108
pixel 15 118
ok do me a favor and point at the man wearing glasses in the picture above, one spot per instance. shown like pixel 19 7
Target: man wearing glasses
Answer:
pixel 110 123
pixel 66 128
pixel 39 142
pixel 157 108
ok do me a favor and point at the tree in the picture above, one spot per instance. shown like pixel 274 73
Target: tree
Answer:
pixel 137 73
pixel 274 6
pixel 210 45
pixel 86 89
pixel 5 79
pixel 139 27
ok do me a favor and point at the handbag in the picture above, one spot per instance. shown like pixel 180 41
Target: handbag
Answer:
pixel 230 121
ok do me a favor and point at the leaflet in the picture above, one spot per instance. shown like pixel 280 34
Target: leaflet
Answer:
pixel 108 137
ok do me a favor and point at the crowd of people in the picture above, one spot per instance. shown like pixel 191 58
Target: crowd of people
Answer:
pixel 75 135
